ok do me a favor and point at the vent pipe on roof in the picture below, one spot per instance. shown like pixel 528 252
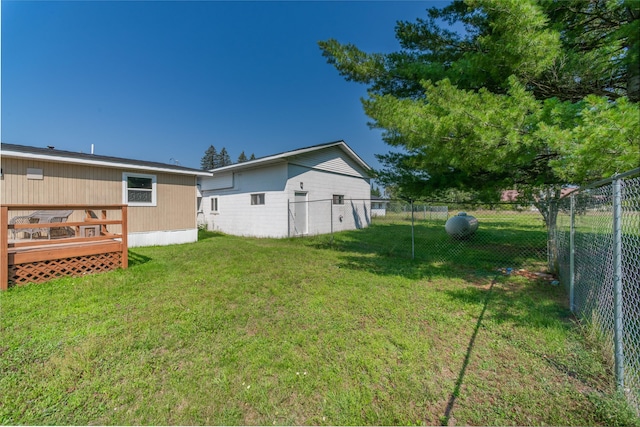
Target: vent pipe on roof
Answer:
pixel 91 148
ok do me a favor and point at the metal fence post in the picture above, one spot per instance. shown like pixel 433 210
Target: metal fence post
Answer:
pixel 572 254
pixel 413 244
pixel 288 217
pixel 331 219
pixel 552 245
pixel 617 282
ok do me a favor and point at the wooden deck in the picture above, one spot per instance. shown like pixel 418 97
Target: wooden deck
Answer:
pixel 84 247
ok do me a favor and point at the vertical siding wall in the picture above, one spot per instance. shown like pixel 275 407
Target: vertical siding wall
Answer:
pixel 176 205
pixel 77 184
pixel 61 183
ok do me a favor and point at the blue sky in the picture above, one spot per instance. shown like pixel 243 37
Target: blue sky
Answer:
pixel 161 81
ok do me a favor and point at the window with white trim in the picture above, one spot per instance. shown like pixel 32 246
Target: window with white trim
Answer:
pixel 338 199
pixel 214 204
pixel 139 189
pixel 257 199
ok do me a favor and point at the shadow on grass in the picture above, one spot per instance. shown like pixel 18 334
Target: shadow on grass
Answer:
pixel 528 304
pixel 387 249
pixel 467 358
pixel 533 306
pixel 206 234
pixel 137 259
pixel 389 265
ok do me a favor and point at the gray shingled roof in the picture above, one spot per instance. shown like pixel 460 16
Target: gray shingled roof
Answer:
pixel 62 154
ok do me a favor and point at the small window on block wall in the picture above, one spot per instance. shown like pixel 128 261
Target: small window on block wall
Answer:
pixel 214 204
pixel 338 199
pixel 257 199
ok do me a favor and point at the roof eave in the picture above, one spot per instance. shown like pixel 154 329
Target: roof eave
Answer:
pixel 102 163
pixel 286 155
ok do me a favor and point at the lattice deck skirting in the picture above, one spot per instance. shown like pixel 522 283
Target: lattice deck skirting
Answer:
pixel 42 271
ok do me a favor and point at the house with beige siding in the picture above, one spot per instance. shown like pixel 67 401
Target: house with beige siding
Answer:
pixel 161 198
pixel 313 190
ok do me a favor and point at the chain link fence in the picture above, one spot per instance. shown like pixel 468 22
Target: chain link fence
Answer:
pixel 510 237
pixel 598 250
pixel 593 247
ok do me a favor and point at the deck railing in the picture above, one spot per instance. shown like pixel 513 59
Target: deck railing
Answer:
pixel 92 239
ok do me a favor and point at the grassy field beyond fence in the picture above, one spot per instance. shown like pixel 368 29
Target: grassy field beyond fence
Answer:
pixel 307 331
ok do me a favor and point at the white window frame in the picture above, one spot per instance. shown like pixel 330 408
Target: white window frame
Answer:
pixel 215 205
pixel 258 199
pixel 125 189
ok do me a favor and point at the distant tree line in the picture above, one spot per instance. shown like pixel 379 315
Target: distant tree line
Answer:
pixel 213 159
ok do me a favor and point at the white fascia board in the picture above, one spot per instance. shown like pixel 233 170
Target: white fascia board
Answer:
pixel 88 162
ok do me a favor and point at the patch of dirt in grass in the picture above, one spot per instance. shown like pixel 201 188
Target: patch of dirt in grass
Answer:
pixel 252 328
pixel 250 416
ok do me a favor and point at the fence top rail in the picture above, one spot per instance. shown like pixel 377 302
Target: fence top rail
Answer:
pixel 467 202
pixel 602 182
pixel 70 206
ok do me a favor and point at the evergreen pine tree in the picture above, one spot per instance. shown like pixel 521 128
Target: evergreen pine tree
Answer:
pixel 521 99
pixel 242 157
pixel 208 161
pixel 223 158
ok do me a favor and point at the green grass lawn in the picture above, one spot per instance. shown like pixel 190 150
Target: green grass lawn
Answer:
pixel 233 330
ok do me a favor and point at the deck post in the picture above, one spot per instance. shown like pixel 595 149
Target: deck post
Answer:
pixel 125 243
pixel 103 228
pixel 4 248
